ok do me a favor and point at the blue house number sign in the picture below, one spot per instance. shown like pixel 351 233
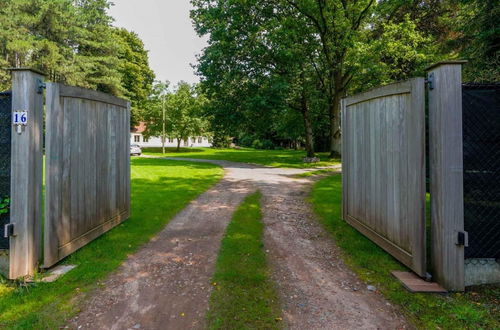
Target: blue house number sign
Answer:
pixel 20 118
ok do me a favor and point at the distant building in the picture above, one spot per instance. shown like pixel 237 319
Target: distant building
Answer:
pixel 136 137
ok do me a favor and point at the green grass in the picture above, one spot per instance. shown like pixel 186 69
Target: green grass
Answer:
pixel 243 296
pixel 160 189
pixel 323 171
pixel 274 158
pixel 478 308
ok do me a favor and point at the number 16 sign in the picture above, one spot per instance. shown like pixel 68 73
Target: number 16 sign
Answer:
pixel 20 118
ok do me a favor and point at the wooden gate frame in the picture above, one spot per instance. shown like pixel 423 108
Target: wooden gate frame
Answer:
pixel 26 174
pixel 446 171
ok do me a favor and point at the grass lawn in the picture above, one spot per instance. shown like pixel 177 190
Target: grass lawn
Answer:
pixel 243 296
pixel 274 158
pixel 323 171
pixel 478 308
pixel 160 189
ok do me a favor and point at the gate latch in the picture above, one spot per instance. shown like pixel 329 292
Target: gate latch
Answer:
pixel 462 238
pixel 9 230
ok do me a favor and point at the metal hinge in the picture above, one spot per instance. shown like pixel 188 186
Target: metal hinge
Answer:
pixel 40 86
pixel 430 80
pixel 462 238
pixel 9 230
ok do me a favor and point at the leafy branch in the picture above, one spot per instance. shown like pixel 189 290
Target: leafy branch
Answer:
pixel 4 205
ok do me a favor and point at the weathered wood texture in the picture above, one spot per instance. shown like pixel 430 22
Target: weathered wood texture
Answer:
pixel 26 176
pixel 383 164
pixel 446 174
pixel 87 168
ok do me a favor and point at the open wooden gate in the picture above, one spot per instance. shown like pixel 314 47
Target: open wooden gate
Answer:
pixel 383 164
pixel 87 168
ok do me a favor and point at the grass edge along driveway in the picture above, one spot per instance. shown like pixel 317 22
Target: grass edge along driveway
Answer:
pixel 272 158
pixel 243 295
pixel 160 189
pixel 478 308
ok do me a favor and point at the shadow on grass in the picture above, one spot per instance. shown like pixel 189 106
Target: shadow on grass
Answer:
pixel 475 309
pixel 274 158
pixel 160 189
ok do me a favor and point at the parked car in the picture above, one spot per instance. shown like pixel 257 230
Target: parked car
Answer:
pixel 135 150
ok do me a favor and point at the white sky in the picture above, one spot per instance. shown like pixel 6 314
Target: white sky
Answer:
pixel 167 32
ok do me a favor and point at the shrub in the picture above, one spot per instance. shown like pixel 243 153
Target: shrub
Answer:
pixel 268 145
pixel 246 141
pixel 257 144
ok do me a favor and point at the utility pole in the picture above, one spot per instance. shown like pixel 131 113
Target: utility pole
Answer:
pixel 163 123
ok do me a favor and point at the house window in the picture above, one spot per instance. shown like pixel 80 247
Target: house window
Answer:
pixel 170 140
pixel 137 138
pixel 145 139
pixel 200 140
pixel 186 142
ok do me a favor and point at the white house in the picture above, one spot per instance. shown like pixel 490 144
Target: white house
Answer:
pixel 136 137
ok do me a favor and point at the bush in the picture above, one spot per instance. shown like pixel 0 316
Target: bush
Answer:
pixel 267 145
pixel 256 144
pixel 246 141
pixel 221 141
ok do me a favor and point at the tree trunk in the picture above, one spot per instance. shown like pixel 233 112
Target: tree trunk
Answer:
pixel 178 144
pixel 335 133
pixel 308 127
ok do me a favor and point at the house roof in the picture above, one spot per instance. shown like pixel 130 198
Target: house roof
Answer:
pixel 140 128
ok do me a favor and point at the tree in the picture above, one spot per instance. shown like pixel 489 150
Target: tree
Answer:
pixel 73 42
pixel 478 38
pixel 97 52
pixel 255 71
pixel 338 25
pixel 183 109
pixel 136 76
pixel 310 54
pixel 40 34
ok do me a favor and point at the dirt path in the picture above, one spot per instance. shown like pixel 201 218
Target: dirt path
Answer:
pixel 166 285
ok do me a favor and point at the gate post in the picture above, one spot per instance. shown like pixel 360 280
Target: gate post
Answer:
pixel 446 174
pixel 26 173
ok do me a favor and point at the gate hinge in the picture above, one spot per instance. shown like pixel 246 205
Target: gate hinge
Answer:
pixel 40 86
pixel 430 80
pixel 9 230
pixel 462 238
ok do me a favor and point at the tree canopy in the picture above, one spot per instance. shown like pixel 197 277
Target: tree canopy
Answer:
pixel 180 110
pixel 73 42
pixel 277 69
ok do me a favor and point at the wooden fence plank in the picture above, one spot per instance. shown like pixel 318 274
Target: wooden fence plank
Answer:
pixel 53 155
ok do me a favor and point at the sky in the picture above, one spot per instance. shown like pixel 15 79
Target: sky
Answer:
pixel 167 32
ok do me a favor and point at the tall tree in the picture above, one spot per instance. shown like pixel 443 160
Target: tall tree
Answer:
pixel 338 25
pixel 97 51
pixel 479 38
pixel 183 112
pixel 136 76
pixel 73 42
pixel 258 65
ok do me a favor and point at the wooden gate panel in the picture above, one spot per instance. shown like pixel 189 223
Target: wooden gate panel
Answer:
pixel 87 166
pixel 384 168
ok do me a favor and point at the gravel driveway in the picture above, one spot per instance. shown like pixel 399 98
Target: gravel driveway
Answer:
pixel 166 284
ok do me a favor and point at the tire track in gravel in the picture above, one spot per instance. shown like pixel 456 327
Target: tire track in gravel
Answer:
pixel 166 284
